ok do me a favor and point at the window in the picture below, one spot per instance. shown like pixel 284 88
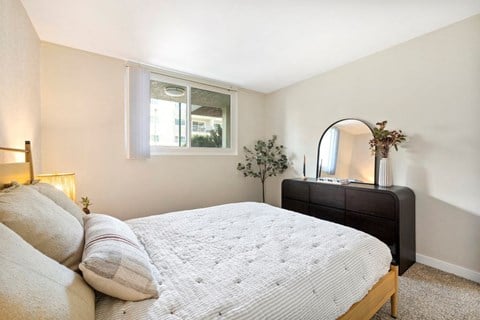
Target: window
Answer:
pixel 168 114
pixel 182 140
pixel 187 117
pixel 329 151
pixel 165 115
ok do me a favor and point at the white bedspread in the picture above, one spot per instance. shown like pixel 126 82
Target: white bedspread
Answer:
pixel 251 261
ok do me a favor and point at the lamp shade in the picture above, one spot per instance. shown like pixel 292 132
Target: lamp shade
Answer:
pixel 61 181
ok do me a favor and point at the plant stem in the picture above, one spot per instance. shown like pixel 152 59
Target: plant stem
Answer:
pixel 263 190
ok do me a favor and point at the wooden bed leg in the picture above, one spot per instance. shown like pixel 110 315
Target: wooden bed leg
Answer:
pixel 394 297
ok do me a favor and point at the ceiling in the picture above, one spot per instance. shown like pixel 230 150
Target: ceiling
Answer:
pixel 259 45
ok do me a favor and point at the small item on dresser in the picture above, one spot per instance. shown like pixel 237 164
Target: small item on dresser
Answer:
pixel 85 203
pixel 319 174
pixel 304 177
pixel 333 180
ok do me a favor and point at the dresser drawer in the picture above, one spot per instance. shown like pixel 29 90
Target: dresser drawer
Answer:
pixel 327 195
pixel 295 205
pixel 297 190
pixel 327 213
pixel 382 229
pixel 374 203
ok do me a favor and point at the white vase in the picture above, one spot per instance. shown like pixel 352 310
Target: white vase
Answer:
pixel 385 173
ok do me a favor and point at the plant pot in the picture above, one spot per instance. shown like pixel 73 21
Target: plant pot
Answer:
pixel 385 173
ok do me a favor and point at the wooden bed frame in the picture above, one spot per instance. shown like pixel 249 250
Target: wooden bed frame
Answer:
pixel 21 172
pixel 386 288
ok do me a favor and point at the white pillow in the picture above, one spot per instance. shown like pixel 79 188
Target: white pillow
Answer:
pixel 43 224
pixel 60 198
pixel 33 286
pixel 114 262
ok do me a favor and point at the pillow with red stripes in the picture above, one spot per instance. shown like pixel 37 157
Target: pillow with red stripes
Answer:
pixel 114 262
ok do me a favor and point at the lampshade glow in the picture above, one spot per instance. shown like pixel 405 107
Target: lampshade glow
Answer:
pixel 61 181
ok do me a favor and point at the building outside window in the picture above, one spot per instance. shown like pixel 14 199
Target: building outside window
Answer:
pixel 199 126
pixel 201 115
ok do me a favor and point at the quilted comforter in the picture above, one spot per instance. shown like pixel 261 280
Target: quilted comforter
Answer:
pixel 251 261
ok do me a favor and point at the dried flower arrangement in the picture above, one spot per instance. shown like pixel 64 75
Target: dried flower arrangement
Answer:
pixel 384 139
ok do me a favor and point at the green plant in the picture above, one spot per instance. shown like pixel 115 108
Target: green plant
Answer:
pixel 265 160
pixel 85 203
pixel 213 140
pixel 383 139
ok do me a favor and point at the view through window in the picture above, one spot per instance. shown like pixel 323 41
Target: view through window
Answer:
pixel 184 116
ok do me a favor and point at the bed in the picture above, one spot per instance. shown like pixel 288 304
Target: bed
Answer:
pixel 239 261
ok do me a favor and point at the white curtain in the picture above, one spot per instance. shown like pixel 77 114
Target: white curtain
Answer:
pixel 329 151
pixel 137 113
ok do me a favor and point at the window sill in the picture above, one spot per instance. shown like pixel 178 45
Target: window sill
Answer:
pixel 175 151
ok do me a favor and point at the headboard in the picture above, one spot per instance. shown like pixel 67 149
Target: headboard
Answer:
pixel 21 172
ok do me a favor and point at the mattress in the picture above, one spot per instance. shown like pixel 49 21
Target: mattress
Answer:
pixel 251 261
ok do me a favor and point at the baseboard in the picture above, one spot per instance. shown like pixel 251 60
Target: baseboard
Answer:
pixel 449 267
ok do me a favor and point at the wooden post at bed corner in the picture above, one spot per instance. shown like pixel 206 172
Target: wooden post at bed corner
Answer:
pixel 28 158
pixel 21 172
pixel 394 297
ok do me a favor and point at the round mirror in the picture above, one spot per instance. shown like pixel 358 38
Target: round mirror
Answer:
pixel 343 153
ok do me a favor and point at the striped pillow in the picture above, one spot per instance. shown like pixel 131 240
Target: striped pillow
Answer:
pixel 114 262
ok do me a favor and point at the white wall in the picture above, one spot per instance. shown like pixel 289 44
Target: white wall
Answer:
pixel 430 88
pixel 19 81
pixel 83 131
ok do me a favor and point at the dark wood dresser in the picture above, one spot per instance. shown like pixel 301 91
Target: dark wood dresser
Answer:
pixel 386 213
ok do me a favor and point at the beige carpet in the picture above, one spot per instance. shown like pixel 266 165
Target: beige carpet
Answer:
pixel 428 293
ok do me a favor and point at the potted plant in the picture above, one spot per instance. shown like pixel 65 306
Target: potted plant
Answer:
pixel 380 145
pixel 265 160
pixel 85 203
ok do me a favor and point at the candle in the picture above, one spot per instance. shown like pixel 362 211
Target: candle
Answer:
pixel 304 164
pixel 320 169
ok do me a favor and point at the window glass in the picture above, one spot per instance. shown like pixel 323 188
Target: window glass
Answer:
pixel 168 114
pixel 188 116
pixel 210 119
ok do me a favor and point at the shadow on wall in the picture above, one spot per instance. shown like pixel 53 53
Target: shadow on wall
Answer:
pixel 443 228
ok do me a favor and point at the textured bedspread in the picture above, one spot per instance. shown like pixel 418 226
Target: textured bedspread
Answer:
pixel 251 261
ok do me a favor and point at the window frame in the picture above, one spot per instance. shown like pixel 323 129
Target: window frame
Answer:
pixel 196 151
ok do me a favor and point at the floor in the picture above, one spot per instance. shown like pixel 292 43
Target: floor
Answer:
pixel 428 293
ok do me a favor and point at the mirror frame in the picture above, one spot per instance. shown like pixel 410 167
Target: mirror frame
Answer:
pixel 375 167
